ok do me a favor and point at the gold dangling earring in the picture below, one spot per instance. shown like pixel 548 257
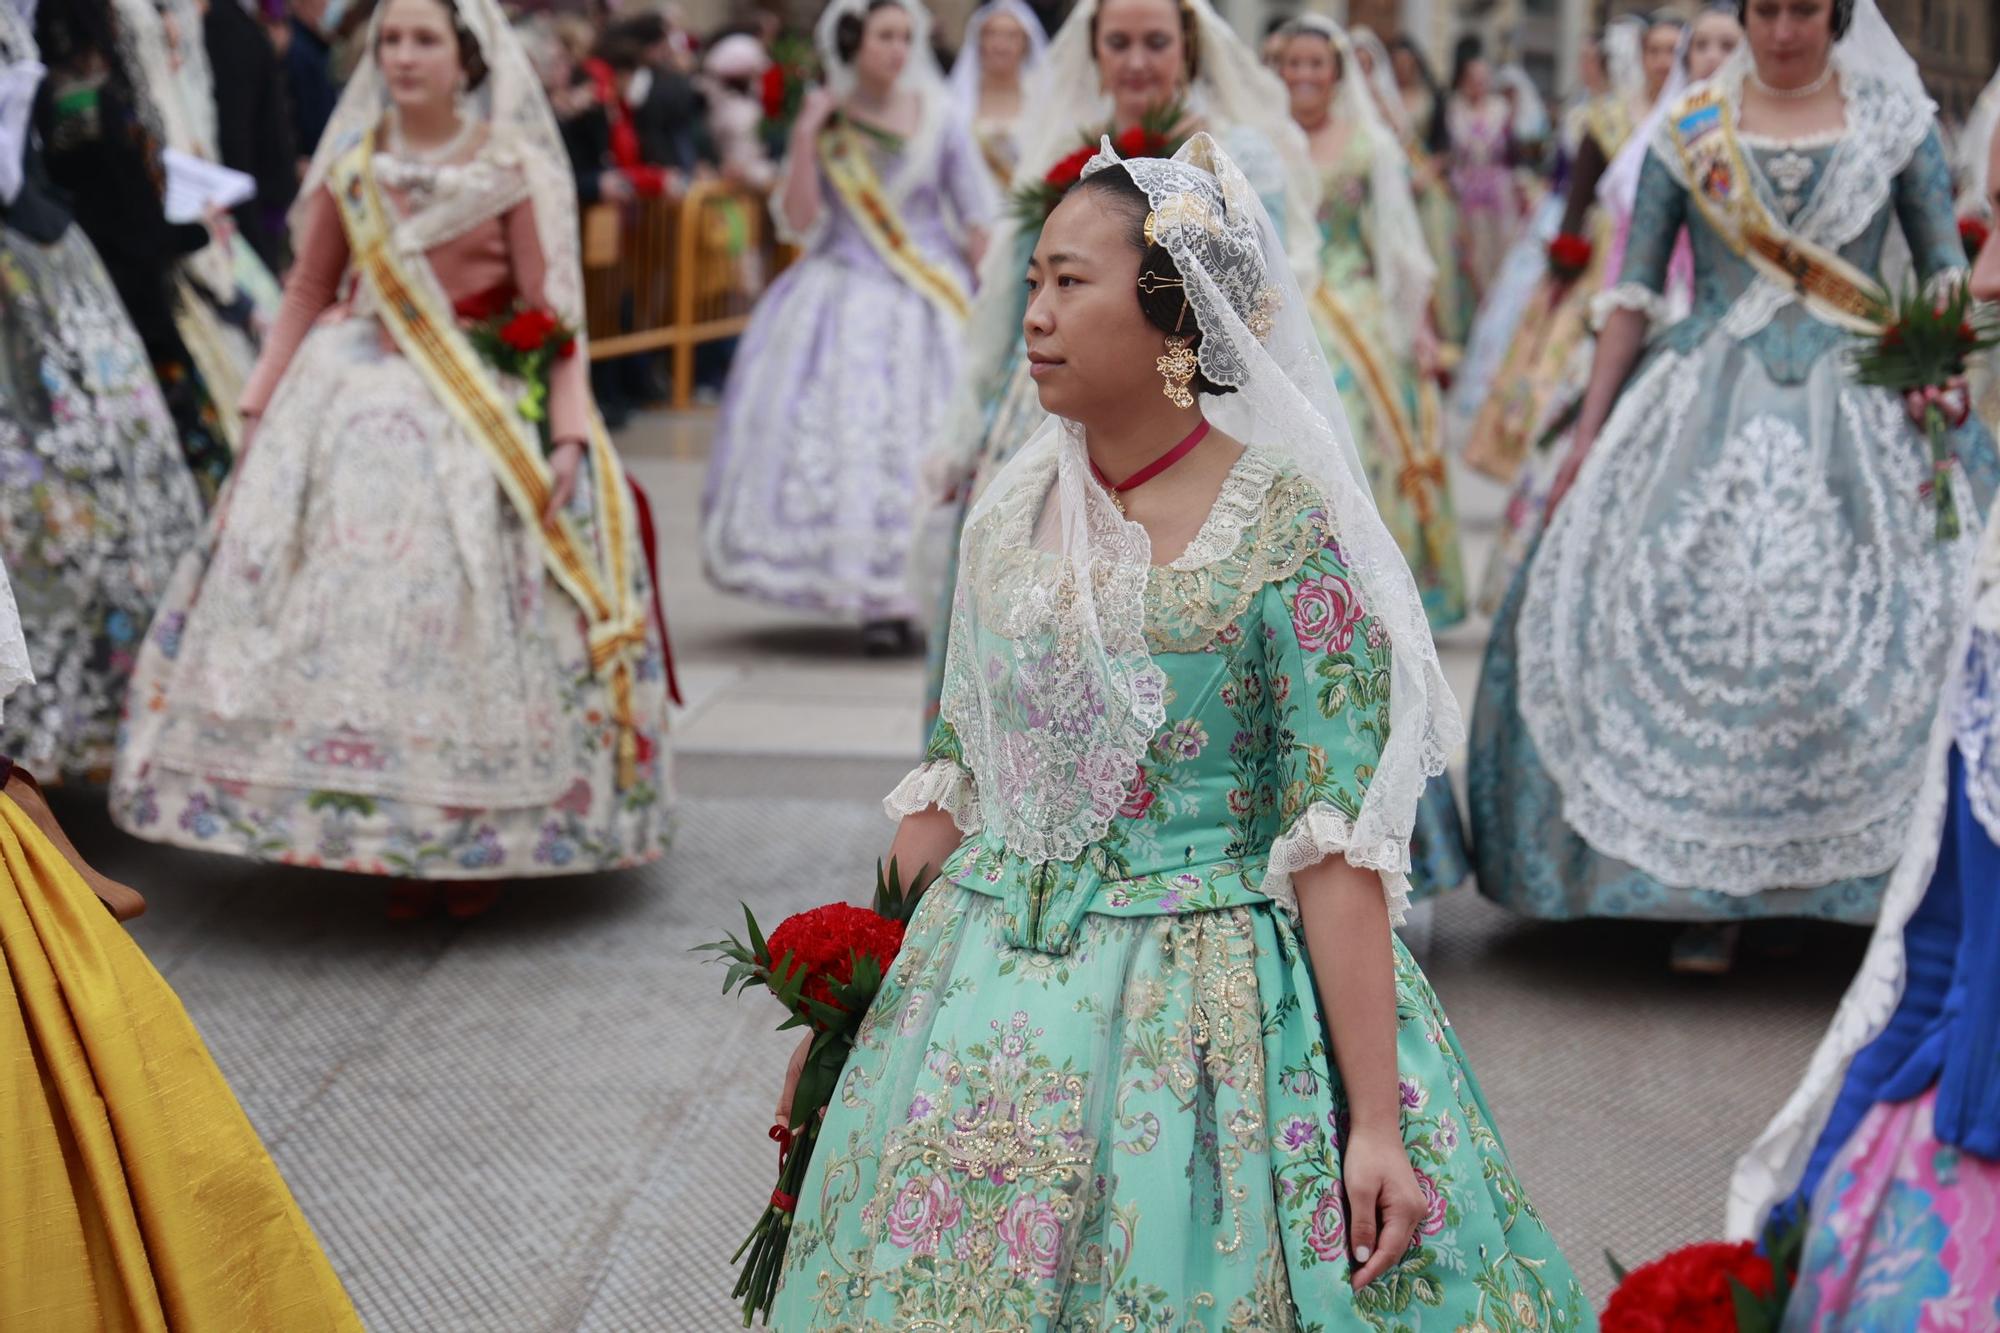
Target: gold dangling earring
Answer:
pixel 1179 365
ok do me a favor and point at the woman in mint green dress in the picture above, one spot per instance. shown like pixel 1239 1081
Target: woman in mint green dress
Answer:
pixel 1103 1085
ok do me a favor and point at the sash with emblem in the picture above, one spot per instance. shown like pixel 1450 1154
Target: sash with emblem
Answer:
pixel 1718 179
pixel 844 158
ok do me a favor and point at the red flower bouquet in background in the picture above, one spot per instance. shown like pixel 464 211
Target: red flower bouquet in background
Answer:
pixel 525 342
pixel 1153 136
pixel 1972 233
pixel 1713 1287
pixel 825 967
pixel 1924 344
pixel 1569 255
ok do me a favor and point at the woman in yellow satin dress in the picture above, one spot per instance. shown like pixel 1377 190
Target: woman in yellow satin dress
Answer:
pixel 136 1195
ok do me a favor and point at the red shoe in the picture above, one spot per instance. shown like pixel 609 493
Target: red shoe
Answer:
pixel 410 901
pixel 466 901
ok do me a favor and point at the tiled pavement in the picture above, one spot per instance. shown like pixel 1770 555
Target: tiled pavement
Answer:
pixel 550 1119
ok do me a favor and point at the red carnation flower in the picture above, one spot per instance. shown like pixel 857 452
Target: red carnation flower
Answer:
pixel 825 943
pixel 773 90
pixel 527 331
pixel 567 350
pixel 1972 232
pixel 1688 1290
pixel 1965 332
pixel 1134 142
pixel 1569 254
pixel 1070 170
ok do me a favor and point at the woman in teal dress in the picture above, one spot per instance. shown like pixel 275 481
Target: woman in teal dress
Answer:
pixel 1150 1056
pixel 1372 310
pixel 1709 690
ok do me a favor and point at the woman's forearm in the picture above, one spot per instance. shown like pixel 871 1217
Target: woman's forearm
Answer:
pixel 801 200
pixel 1618 345
pixel 923 840
pixel 1346 921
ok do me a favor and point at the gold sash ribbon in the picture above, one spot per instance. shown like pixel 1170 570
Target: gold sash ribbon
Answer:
pixel 1419 471
pixel 1718 177
pixel 429 337
pixel 845 161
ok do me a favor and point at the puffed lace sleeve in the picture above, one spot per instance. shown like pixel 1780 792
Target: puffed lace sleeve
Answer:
pixel 1658 214
pixel 942 780
pixel 1329 663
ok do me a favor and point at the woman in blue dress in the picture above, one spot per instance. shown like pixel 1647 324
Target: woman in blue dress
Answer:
pixel 1890 1147
pixel 1708 692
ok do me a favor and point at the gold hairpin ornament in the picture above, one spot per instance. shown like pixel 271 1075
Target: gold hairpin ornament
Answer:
pixel 1151 282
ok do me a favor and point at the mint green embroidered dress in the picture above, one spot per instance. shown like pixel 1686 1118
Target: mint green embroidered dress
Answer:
pixel 1098 1094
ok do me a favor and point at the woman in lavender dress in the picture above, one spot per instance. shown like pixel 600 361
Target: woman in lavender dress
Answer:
pixel 844 374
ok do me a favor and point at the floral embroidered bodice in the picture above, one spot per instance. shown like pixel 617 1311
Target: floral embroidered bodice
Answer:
pixel 1276 708
pixel 1844 192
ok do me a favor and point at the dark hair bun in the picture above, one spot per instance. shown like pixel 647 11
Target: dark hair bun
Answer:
pixel 847 33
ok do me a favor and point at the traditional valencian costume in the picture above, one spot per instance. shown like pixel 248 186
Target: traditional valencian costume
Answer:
pixel 96 501
pixel 383 658
pixel 844 373
pixel 1708 693
pixel 1105 1002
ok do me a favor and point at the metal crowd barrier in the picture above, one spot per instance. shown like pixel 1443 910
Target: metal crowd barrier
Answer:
pixel 672 274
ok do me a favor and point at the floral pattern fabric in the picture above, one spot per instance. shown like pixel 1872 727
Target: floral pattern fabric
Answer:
pixel 96 500
pixel 1903 1234
pixel 1099 1094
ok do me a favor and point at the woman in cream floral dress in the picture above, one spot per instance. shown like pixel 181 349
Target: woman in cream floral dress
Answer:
pixel 1150 1056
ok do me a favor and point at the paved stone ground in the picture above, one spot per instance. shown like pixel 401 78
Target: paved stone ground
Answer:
pixel 549 1119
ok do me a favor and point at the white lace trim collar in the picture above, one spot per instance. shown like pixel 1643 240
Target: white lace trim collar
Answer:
pixel 1237 505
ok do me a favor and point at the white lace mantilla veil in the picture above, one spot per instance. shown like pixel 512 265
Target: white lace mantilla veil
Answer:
pixel 1531 113
pixel 18 52
pixel 1382 79
pixel 965 71
pixel 1975 150
pixel 1776 1162
pixel 1048 681
pixel 521 133
pixel 1404 268
pixel 1624 54
pixel 14 669
pixel 1618 187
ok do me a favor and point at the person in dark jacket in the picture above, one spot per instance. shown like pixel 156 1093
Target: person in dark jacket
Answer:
pixel 254 128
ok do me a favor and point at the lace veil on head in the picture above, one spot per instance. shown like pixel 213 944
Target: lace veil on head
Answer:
pixel 521 131
pixel 1975 153
pixel 920 71
pixel 965 71
pixel 1048 679
pixel 1381 78
pixel 1403 264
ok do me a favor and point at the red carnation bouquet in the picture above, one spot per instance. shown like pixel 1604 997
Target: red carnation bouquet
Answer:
pixel 1713 1287
pixel 1569 255
pixel 1972 234
pixel 1154 136
pixel 825 966
pixel 1923 346
pixel 526 341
